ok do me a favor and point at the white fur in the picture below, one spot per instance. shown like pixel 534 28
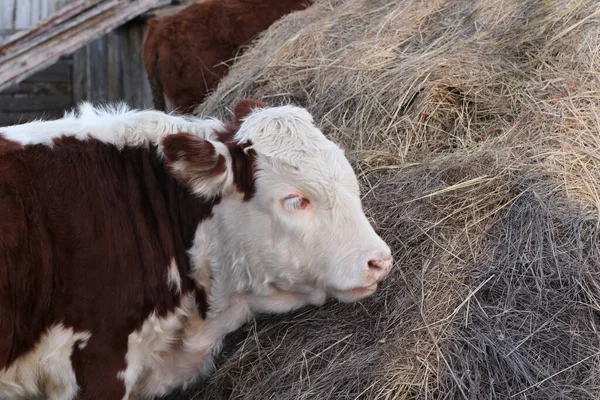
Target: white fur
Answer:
pixel 213 185
pixel 255 257
pixel 170 352
pixel 148 347
pixel 173 351
pixel 117 125
pixel 46 370
pixel 258 247
pixel 285 133
pixel 173 277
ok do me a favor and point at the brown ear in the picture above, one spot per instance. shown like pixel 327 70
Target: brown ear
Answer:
pixel 244 107
pixel 196 163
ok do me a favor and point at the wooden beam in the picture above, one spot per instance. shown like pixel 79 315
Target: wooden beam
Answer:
pixel 40 102
pixel 162 11
pixel 70 28
pixel 174 7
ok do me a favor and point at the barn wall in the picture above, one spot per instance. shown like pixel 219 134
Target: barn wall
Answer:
pixel 46 94
pixel 111 68
pixel 23 14
pixel 108 69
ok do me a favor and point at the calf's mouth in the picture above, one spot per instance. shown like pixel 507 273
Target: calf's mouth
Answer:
pixel 347 296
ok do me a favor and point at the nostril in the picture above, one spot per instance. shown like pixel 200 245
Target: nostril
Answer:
pixel 379 268
pixel 375 264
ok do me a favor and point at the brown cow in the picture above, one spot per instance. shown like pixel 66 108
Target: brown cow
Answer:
pixel 132 242
pixel 185 54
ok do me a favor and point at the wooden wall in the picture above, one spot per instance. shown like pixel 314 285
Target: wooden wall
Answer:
pixel 46 94
pixel 108 69
pixel 111 68
pixel 23 14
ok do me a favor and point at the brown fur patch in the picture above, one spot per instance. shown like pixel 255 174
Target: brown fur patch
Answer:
pixel 244 169
pixel 244 107
pixel 7 146
pixel 185 54
pixel 87 233
pixel 192 158
pixel 243 158
pixel 243 161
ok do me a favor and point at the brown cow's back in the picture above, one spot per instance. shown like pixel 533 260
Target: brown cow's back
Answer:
pixel 88 232
pixel 185 54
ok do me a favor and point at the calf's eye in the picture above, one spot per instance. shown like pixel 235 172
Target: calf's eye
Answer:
pixel 295 202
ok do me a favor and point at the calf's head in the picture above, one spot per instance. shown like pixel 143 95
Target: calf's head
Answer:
pixel 289 216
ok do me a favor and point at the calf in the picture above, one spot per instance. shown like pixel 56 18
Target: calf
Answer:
pixel 132 242
pixel 185 54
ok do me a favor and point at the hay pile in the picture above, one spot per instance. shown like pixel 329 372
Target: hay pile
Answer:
pixel 475 128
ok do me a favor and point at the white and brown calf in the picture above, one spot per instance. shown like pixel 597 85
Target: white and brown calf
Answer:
pixel 132 242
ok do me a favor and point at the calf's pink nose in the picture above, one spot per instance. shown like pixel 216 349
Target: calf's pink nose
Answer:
pixel 379 268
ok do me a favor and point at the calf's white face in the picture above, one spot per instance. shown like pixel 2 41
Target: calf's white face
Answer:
pixel 306 220
pixel 303 230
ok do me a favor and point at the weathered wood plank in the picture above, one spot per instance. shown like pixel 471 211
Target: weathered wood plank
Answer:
pixel 7 8
pixel 63 20
pixel 113 63
pixel 57 72
pixel 55 80
pixel 90 71
pixel 11 103
pixel 3 38
pixel 134 82
pixel 55 14
pixel 9 118
pixel 115 72
pixel 97 70
pixel 27 13
pixel 37 88
pixel 15 68
pixel 80 74
pixel 21 15
pixel 7 32
pixel 166 10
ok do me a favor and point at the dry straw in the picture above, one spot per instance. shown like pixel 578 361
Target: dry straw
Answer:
pixel 475 128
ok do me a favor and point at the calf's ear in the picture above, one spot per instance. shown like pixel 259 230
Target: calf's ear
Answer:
pixel 198 163
pixel 244 107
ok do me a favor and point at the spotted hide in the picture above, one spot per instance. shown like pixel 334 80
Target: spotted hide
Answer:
pixel 132 242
